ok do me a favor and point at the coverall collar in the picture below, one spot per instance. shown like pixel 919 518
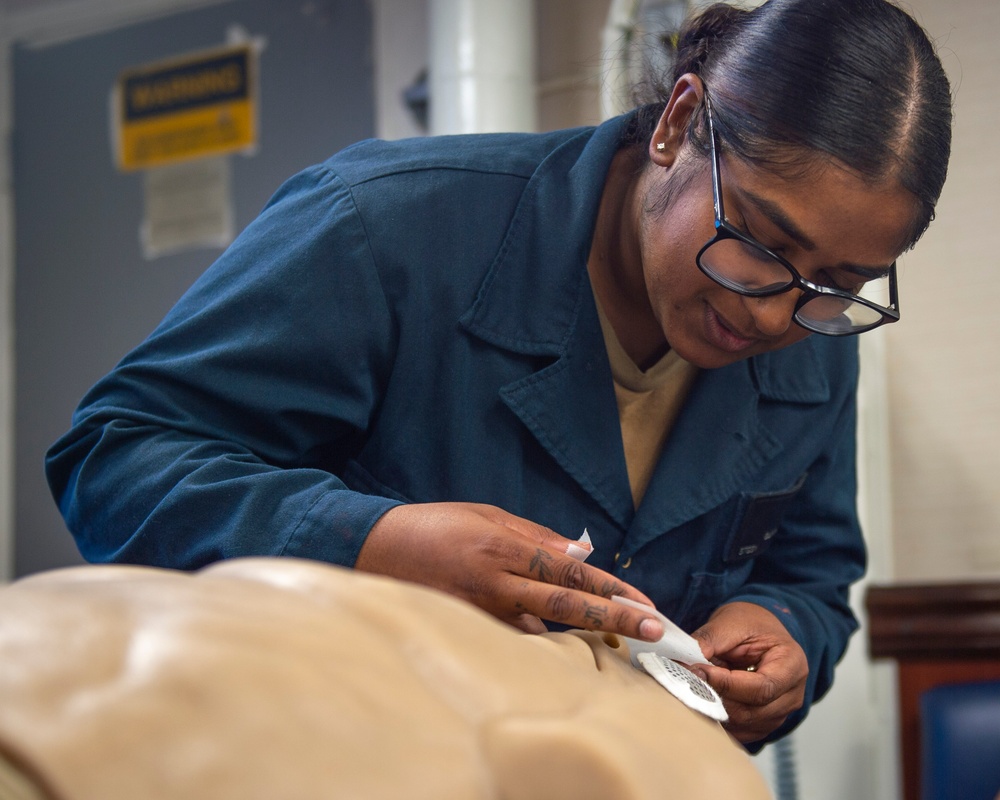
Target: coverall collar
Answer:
pixel 569 404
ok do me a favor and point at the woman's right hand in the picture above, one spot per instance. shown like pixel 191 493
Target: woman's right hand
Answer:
pixel 515 569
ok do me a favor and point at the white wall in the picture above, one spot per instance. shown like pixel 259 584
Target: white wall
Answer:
pixel 848 746
pixel 944 355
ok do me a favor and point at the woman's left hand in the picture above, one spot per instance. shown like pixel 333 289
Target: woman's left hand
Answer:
pixel 757 668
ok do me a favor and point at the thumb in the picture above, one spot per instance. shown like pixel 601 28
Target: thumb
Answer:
pixel 709 637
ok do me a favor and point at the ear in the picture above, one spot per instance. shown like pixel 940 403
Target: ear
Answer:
pixel 671 130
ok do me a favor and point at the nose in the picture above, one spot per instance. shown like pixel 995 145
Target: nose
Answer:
pixel 772 316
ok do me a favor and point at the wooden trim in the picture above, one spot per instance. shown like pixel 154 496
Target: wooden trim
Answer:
pixel 934 621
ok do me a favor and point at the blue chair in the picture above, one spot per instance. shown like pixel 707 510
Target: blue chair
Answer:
pixel 960 741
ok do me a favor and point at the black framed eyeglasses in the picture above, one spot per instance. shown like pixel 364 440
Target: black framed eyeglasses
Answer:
pixel 743 265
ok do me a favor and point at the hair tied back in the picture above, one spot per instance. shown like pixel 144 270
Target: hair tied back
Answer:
pixel 699 38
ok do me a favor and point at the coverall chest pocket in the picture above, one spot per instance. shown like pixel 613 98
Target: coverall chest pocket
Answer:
pixel 757 520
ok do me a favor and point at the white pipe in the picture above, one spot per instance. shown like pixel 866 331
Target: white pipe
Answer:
pixel 482 66
pixel 615 83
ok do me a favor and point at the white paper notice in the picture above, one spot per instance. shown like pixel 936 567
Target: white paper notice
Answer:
pixel 188 205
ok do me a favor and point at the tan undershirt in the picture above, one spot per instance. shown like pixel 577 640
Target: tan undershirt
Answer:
pixel 648 405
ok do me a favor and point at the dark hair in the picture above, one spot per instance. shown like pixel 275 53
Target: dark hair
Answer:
pixel 857 80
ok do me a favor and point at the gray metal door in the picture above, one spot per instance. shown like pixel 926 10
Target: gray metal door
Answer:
pixel 84 293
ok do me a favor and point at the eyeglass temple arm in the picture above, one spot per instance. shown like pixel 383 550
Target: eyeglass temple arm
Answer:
pixel 720 213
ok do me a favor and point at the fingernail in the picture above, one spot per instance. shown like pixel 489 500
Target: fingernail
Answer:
pixel 651 629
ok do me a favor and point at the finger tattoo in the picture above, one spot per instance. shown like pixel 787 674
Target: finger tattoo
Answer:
pixel 595 614
pixel 541 565
pixel 607 589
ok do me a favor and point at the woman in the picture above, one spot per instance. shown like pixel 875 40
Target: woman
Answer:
pixel 443 359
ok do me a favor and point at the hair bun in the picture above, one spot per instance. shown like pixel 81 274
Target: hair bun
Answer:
pixel 698 36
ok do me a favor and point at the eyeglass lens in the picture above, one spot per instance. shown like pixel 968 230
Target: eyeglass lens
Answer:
pixel 751 271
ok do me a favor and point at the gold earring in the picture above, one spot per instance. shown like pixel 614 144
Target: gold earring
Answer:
pixel 660 147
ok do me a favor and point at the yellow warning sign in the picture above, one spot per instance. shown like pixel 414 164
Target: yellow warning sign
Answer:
pixel 198 105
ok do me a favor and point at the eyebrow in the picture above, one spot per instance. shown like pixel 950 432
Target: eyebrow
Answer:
pixel 781 220
pixel 774 213
pixel 868 273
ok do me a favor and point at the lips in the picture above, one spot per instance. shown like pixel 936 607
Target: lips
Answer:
pixel 722 335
